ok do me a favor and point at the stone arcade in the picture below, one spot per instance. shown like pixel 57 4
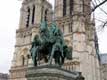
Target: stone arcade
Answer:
pixel 72 17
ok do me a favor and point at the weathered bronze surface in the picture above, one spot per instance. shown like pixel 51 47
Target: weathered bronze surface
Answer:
pixel 49 45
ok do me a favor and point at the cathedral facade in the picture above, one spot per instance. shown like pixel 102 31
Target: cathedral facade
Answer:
pixel 74 19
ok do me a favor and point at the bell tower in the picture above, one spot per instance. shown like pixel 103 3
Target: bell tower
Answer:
pixel 31 14
pixel 63 8
pixel 75 21
pixel 30 10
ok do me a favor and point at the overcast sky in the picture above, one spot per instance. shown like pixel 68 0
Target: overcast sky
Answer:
pixel 9 20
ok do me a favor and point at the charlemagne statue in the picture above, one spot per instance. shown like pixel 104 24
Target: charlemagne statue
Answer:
pixel 49 45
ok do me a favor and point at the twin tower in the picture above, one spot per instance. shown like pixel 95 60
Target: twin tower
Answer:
pixel 74 19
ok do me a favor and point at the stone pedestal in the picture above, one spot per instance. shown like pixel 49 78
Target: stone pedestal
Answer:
pixel 51 73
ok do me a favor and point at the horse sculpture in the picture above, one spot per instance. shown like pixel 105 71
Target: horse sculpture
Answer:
pixel 57 47
pixel 40 49
pixel 49 45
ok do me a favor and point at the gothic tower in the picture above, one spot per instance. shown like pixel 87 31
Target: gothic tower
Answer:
pixel 73 17
pixel 32 12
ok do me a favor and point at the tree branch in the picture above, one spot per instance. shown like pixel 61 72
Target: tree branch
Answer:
pixel 99 5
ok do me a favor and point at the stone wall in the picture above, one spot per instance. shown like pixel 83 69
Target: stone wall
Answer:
pixel 104 71
pixel 79 33
pixel 51 73
pixel 25 35
pixel 82 36
pixel 4 76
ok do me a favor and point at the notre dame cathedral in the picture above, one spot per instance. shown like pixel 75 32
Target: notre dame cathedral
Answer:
pixel 74 19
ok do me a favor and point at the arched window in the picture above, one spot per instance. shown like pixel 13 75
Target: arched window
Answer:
pixel 46 11
pixel 23 60
pixel 64 7
pixel 71 6
pixel 83 6
pixel 24 57
pixel 33 15
pixel 28 57
pixel 28 17
pixel 70 27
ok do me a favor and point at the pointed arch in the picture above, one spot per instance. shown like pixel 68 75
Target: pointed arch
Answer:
pixel 33 14
pixel 23 60
pixel 83 5
pixel 46 12
pixel 64 7
pixel 71 6
pixel 23 57
pixel 28 17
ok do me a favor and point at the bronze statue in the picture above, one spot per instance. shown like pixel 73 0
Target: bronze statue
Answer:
pixel 49 45
pixel 57 47
pixel 34 49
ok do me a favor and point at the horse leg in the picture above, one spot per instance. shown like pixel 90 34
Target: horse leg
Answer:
pixel 56 59
pixel 45 59
pixel 35 62
pixel 63 59
pixel 60 60
pixel 51 56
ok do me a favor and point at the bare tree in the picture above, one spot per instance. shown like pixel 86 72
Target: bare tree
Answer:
pixel 97 5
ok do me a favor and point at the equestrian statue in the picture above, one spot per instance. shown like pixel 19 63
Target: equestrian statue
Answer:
pixel 50 45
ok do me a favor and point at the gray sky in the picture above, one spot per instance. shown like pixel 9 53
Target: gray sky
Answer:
pixel 9 19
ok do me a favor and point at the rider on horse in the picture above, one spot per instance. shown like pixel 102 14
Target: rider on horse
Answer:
pixel 34 49
pixel 49 44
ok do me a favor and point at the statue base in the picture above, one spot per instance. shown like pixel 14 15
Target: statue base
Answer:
pixel 51 73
